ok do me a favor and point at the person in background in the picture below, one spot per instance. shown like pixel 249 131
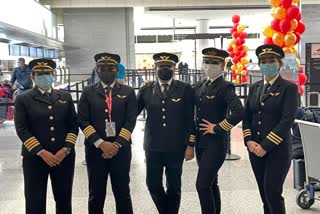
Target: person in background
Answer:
pixel 46 122
pixel 270 111
pixel 121 74
pixel 22 75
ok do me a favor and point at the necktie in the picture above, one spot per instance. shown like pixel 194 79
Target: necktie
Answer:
pixel 165 89
pixel 266 88
pixel 108 90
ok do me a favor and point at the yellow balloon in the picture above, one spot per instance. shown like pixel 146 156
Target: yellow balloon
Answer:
pixel 267 31
pixel 280 13
pixel 296 1
pixel 294 24
pixel 246 48
pixel 240 68
pixel 290 39
pixel 244 61
pixel 298 63
pixel 231 43
pixel 295 51
pixel 241 28
pixel 278 39
pixel 238 72
pixel 233 67
pixel 274 3
pixel 243 73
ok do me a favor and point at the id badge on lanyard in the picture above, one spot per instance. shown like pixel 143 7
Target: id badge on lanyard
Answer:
pixel 110 126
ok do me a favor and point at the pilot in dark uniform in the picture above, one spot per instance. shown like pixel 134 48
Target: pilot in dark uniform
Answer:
pixel 269 114
pixel 46 123
pixel 214 97
pixel 168 137
pixel 107 113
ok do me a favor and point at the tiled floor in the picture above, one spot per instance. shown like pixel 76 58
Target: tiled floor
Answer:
pixel 239 191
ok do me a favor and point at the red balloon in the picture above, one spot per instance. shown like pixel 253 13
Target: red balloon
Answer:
pixel 285 25
pixel 299 17
pixel 235 19
pixel 235 60
pixel 243 35
pixel 298 35
pixel 235 34
pixel 242 41
pixel 275 24
pixel 286 3
pixel 238 42
pixel 293 12
pixel 244 79
pixel 243 53
pixel 302 78
pixel 231 54
pixel 268 41
pixel 230 49
pixel 301 28
pixel 240 47
pixel 300 90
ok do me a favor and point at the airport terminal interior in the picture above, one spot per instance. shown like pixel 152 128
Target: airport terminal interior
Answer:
pixel 72 32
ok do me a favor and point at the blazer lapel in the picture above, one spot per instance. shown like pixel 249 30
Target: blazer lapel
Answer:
pixel 37 95
pixel 116 88
pixel 157 89
pixel 55 95
pixel 172 88
pixel 100 90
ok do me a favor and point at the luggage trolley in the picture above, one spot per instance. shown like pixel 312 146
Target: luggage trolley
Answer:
pixel 310 135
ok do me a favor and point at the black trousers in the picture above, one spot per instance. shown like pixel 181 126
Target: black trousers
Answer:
pixel 36 173
pixel 210 160
pixel 270 172
pixel 167 202
pixel 98 170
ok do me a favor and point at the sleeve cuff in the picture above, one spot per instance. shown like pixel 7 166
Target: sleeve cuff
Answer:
pixel 246 135
pixel 225 125
pixel 71 140
pixel 33 145
pixel 90 134
pixel 124 137
pixel 272 140
pixel 97 143
pixel 192 140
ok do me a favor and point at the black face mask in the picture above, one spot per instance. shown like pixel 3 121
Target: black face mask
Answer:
pixel 165 74
pixel 107 77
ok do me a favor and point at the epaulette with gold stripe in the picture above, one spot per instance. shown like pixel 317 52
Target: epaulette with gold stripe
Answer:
pixel 225 125
pixel 88 131
pixel 125 133
pixel 31 143
pixel 274 138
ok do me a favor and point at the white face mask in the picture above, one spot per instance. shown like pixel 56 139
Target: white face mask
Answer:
pixel 212 70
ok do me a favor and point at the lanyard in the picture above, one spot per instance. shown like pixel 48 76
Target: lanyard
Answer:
pixel 109 104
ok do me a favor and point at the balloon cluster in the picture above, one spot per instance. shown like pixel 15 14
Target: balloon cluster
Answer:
pixel 286 28
pixel 238 51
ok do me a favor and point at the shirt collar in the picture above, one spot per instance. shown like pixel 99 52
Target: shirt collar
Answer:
pixel 212 80
pixel 169 83
pixel 105 85
pixel 43 91
pixel 271 81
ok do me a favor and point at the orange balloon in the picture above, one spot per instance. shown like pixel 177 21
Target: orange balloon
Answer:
pixel 267 31
pixel 280 13
pixel 294 24
pixel 288 50
pixel 278 39
pixel 290 39
pixel 243 73
pixel 298 63
pixel 273 9
pixel 241 28
pixel 233 67
pixel 274 3
pixel 240 68
pixel 296 1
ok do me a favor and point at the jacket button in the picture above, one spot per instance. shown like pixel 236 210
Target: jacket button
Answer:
pixel 52 128
pixel 262 104
pixel 163 102
pixel 163 109
pixel 51 117
pixel 259 112
pixel 49 107
pixel 164 125
pixel 52 139
pixel 164 117
pixel 258 133
pixel 200 99
pixel 106 110
pixel 259 122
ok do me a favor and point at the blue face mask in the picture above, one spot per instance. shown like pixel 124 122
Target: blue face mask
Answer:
pixel 269 70
pixel 44 81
